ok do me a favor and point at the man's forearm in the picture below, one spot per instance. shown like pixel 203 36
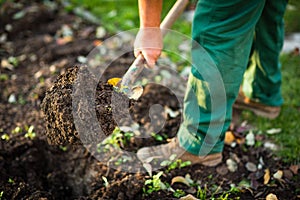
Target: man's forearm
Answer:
pixel 150 13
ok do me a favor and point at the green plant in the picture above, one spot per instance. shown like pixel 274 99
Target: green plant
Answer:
pixel 5 136
pixel 116 140
pixel 63 148
pixel 29 132
pixel 13 60
pixel 17 130
pixel 157 137
pixel 154 184
pixel 201 193
pixel 121 160
pixel 178 193
pixel 174 163
pixel 4 77
pixel 1 194
pixel 105 181
pixel 10 180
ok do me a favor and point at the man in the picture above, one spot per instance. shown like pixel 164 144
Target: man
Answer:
pixel 230 31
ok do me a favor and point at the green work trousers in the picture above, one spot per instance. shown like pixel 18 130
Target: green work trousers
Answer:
pixel 235 40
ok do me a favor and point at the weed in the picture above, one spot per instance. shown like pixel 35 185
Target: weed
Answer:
pixel 157 137
pixel 4 77
pixel 5 136
pixel 178 193
pixel 116 140
pixel 201 193
pixel 17 130
pixel 105 181
pixel 63 148
pixel 173 164
pixel 29 132
pixel 13 60
pixel 154 184
pixel 1 194
pixel 10 181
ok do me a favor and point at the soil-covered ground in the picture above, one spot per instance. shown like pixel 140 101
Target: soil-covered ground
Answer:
pixel 36 163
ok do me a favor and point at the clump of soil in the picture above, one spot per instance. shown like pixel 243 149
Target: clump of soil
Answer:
pixel 67 94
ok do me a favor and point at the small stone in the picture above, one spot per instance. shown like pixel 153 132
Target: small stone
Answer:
pixel 231 165
pixel 251 167
pixel 8 27
pixel 100 32
pixel 12 98
pixel 278 175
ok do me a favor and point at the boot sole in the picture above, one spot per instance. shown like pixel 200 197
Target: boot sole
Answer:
pixel 256 111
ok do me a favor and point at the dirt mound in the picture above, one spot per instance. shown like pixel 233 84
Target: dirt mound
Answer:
pixel 59 103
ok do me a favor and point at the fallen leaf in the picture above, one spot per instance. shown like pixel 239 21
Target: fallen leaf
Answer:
pixel 273 131
pixel 148 168
pixel 97 42
pixel 294 169
pixel 188 178
pixel 136 92
pixel 180 179
pixel 19 15
pixel 12 98
pixel 240 140
pixel 271 197
pixel 64 40
pixel 114 81
pixel 188 197
pixel 229 137
pixel 250 139
pixel 271 146
pixel 235 157
pixel 5 64
pixel 278 175
pixel 267 176
pixel 171 113
pixel 244 183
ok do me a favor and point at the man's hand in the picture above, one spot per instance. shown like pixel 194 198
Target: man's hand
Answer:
pixel 149 38
pixel 149 43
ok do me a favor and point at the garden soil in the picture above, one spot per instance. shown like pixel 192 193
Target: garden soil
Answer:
pixel 53 163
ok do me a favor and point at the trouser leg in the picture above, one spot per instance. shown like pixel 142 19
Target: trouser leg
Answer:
pixel 263 77
pixel 225 30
